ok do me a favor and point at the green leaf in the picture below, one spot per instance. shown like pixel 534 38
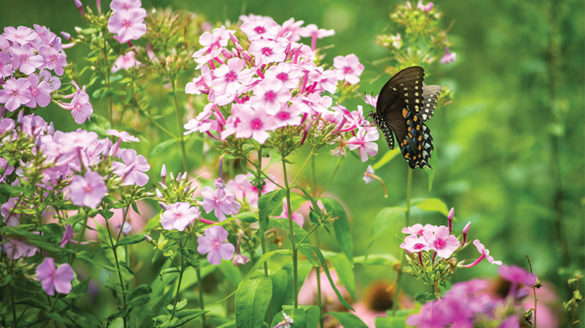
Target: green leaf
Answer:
pixel 340 225
pixel 344 272
pixel 390 154
pixel 230 272
pixel 134 239
pixel 433 205
pixel 260 263
pixel 348 320
pixel 321 259
pixel 161 147
pixel 252 300
pixel 391 322
pixel 385 219
pixel 269 204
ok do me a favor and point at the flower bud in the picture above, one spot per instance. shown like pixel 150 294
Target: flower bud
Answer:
pixel 450 217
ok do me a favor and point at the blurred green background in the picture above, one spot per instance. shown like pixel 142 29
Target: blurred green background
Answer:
pixel 510 149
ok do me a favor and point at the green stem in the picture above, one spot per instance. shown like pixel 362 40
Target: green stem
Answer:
pixel 292 234
pixel 533 290
pixel 179 283
pixel 259 187
pixel 107 71
pixel 179 115
pixel 117 268
pixel 200 287
pixel 317 241
pixel 333 173
pixel 303 166
pixel 406 223
pixel 14 320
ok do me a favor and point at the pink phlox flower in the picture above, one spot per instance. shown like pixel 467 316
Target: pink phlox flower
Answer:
pixel 255 123
pixel 133 168
pixel 5 169
pixel 348 68
pixel 511 322
pixel 87 190
pixel 367 174
pixel 116 5
pixel 217 39
pixel 267 51
pixel 53 81
pixel 229 80
pixel 286 322
pixel 517 274
pixel 55 279
pixel 214 244
pixel 325 79
pixel 178 216
pixel 260 27
pixel 203 122
pixel 416 229
pixel 288 116
pixel 126 62
pixel 485 254
pixel 25 59
pixel 371 100
pixel 289 75
pixel 414 244
pixel 80 107
pixel 291 30
pixel 315 33
pixel 220 201
pixel 21 35
pixel 14 93
pixel 240 259
pixel 7 209
pixel 122 135
pixel 6 68
pixel 270 96
pixel 396 40
pixel 426 7
pixel 316 104
pixel 46 38
pixel 296 217
pixel 431 315
pixel 67 235
pixel 40 92
pixel 53 59
pixel 127 24
pixel 16 248
pixel 364 141
pixel 200 84
pixel 449 57
pixel 241 187
pixel 441 241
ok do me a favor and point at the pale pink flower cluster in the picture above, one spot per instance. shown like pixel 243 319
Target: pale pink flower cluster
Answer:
pixel 273 83
pixel 430 238
pixel 241 187
pixel 27 57
pixel 127 20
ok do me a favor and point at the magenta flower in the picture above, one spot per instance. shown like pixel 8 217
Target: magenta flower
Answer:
pixel 517 274
pixel 14 93
pixel 364 141
pixel 485 254
pixel 259 27
pixel 133 168
pixel 449 57
pixel 126 62
pixel 270 96
pixel 40 92
pixel 220 201
pixel 414 244
pixel 287 74
pixel 441 241
pixel 267 51
pixel 229 80
pixel 88 190
pixel 67 235
pixel 255 124
pixel 348 68
pixel 178 216
pixel 426 7
pixel 55 279
pixel 127 24
pixel 214 244
pixel 288 116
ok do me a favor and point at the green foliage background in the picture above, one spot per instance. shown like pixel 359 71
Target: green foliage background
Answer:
pixel 509 151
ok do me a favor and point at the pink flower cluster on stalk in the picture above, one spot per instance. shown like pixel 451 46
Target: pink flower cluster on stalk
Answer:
pixel 271 81
pixel 127 20
pixel 27 57
pixel 471 303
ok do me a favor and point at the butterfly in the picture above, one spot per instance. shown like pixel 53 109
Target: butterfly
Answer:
pixel 404 104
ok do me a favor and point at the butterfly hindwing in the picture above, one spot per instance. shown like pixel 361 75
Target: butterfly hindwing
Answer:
pixel 403 105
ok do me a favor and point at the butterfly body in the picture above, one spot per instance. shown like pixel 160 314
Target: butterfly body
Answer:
pixel 404 104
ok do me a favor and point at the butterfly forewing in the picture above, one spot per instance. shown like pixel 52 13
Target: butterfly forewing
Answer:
pixel 430 95
pixel 400 108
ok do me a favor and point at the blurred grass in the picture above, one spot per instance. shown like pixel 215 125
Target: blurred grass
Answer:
pixel 518 83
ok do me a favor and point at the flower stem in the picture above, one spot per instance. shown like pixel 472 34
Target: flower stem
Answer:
pixel 259 187
pixel 179 283
pixel 317 241
pixel 179 115
pixel 533 290
pixel 292 234
pixel 107 72
pixel 200 287
pixel 406 224
pixel 113 246
pixel 14 320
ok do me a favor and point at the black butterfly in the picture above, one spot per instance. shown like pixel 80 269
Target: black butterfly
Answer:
pixel 403 105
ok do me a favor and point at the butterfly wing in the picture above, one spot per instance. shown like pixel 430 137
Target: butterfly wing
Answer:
pixel 430 95
pixel 399 108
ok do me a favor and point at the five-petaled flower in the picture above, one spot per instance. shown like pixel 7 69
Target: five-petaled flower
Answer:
pixel 55 279
pixel 87 190
pixel 178 216
pixel 214 244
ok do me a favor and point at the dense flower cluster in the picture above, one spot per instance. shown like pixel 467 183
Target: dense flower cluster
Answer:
pixel 127 20
pixel 470 303
pixel 265 80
